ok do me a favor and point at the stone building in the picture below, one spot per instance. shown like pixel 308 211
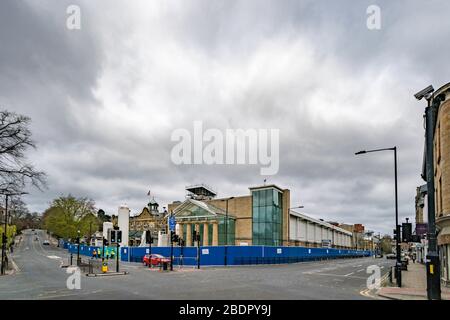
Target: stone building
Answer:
pixel 358 231
pixel 150 218
pixel 442 178
pixel 261 218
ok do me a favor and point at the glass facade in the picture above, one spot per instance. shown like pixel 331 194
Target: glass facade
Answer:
pixel 230 231
pixel 267 218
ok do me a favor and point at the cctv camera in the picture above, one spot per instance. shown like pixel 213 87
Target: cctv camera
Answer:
pixel 424 93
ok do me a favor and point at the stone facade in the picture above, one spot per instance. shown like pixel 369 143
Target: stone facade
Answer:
pixel 205 216
pixel 441 152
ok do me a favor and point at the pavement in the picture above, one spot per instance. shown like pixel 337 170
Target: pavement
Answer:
pixel 414 284
pixel 40 276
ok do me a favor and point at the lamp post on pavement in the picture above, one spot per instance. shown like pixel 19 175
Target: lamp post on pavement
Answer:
pixel 397 245
pixel 433 263
pixel 78 248
pixel 7 194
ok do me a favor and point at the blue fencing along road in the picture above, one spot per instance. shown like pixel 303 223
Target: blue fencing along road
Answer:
pixel 89 250
pixel 236 255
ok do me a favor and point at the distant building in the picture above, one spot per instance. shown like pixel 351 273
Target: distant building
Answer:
pixel 357 231
pixel 150 219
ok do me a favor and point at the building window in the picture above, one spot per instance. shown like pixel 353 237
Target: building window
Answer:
pixel 230 230
pixel 267 217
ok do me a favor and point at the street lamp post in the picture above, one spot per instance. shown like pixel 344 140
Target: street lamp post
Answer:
pixel 397 245
pixel 78 248
pixel 4 235
pixel 433 264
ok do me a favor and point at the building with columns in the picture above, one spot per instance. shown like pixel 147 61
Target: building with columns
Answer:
pixel 261 218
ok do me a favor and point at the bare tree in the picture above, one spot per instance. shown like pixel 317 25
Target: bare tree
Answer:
pixel 15 139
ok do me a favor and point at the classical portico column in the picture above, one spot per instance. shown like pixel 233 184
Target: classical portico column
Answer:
pixel 180 229
pixel 205 234
pixel 197 229
pixel 188 235
pixel 215 234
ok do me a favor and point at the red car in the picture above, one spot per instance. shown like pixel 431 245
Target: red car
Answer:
pixel 154 259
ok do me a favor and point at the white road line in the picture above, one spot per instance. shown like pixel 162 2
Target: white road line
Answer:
pixel 360 270
pixel 348 274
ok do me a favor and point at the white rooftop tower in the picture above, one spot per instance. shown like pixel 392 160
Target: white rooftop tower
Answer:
pixel 124 223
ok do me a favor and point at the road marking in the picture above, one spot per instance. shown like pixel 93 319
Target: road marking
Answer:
pixel 334 275
pixel 54 257
pixel 360 270
pixel 348 274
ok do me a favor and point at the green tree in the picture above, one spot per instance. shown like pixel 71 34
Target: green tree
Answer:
pixel 15 139
pixel 68 214
pixel 10 233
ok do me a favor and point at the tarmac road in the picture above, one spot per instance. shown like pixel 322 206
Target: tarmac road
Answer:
pixel 40 276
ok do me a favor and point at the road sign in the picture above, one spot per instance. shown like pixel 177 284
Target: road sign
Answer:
pixel 172 223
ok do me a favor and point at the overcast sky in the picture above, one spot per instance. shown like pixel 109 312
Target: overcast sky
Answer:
pixel 105 99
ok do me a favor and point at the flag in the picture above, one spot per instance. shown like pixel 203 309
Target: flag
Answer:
pixel 148 193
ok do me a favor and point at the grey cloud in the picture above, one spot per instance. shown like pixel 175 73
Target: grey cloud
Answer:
pixel 105 100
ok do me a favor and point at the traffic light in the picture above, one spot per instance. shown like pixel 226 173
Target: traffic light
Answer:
pixel 112 235
pixel 105 242
pixel 395 234
pixel 174 237
pixel 148 237
pixel 119 236
pixel 195 236
pixel 406 232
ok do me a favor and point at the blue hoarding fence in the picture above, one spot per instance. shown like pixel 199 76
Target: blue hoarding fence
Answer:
pixel 89 250
pixel 236 255
pixel 243 255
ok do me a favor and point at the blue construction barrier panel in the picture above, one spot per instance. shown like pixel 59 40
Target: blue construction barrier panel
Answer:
pixel 235 255
pixel 240 255
pixel 89 250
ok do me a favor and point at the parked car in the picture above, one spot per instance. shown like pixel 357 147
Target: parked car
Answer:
pixel 46 243
pixel 391 256
pixel 154 259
